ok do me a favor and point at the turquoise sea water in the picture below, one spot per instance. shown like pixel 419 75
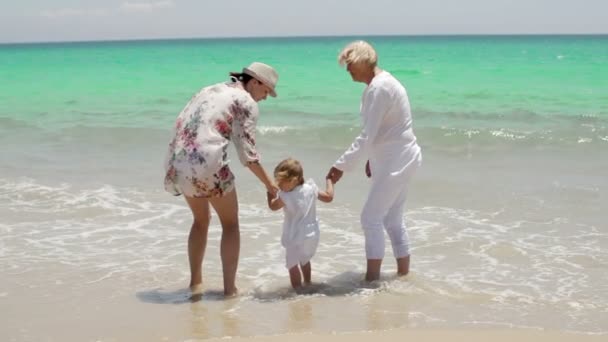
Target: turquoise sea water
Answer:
pixel 144 83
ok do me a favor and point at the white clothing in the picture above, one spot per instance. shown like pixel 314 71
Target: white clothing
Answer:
pixel 387 140
pixel 387 137
pixel 300 226
pixel 301 253
pixel 384 208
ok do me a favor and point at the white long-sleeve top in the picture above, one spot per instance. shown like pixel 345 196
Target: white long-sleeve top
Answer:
pixel 300 214
pixel 387 138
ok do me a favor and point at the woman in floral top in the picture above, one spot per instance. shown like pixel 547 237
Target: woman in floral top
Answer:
pixel 197 161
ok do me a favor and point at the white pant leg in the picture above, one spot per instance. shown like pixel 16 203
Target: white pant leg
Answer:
pixel 394 223
pixel 382 196
pixel 384 208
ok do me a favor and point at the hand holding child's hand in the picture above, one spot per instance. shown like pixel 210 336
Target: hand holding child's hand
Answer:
pixel 334 174
pixel 271 191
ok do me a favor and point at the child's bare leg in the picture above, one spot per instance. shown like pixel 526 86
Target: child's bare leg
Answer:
pixel 295 277
pixel 306 271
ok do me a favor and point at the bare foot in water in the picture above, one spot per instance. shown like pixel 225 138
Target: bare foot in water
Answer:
pixel 196 292
pixel 198 288
pixel 231 294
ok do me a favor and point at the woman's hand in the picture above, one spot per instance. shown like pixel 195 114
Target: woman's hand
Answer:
pixel 334 174
pixel 272 190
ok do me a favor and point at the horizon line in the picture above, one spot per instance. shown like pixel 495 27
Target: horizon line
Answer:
pixel 431 35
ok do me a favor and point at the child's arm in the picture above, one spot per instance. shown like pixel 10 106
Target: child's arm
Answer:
pixel 274 203
pixel 327 195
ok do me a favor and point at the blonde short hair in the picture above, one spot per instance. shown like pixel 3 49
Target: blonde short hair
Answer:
pixel 289 169
pixel 359 51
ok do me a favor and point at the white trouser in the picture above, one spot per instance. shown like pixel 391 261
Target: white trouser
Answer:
pixel 384 209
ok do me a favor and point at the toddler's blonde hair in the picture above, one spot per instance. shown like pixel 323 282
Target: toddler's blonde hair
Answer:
pixel 289 169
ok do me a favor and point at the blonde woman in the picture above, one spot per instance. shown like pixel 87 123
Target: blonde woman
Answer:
pixel 197 162
pixel 388 143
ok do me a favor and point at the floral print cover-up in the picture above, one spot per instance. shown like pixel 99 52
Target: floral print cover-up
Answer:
pixel 196 164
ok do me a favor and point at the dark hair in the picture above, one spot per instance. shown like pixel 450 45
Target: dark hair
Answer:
pixel 243 78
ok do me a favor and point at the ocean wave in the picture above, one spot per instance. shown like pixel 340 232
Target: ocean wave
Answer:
pixel 407 72
pixel 9 123
pixel 507 135
pixel 450 137
pixel 264 130
pixel 443 133
pixel 65 201
pixel 515 116
pixel 286 117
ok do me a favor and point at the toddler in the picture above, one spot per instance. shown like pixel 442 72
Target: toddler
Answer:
pixel 300 236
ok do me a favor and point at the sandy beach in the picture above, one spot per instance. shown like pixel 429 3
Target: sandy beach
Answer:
pixel 431 336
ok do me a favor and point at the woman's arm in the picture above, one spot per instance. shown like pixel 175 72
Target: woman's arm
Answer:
pixel 243 135
pixel 243 131
pixel 376 103
pixel 260 173
pixel 327 195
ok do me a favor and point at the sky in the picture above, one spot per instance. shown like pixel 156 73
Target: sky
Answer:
pixel 78 20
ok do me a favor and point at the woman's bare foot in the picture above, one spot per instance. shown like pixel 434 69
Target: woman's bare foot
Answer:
pixel 402 275
pixel 231 294
pixel 403 266
pixel 196 292
pixel 196 289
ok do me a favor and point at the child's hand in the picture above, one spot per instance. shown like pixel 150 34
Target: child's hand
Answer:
pixel 272 190
pixel 270 196
pixel 274 201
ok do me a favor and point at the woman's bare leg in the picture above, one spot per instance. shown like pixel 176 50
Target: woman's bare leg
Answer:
pixel 373 269
pixel 227 209
pixel 197 240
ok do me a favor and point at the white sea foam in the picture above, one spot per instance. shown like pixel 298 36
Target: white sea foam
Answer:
pixel 264 130
pixel 507 135
pixel 122 235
